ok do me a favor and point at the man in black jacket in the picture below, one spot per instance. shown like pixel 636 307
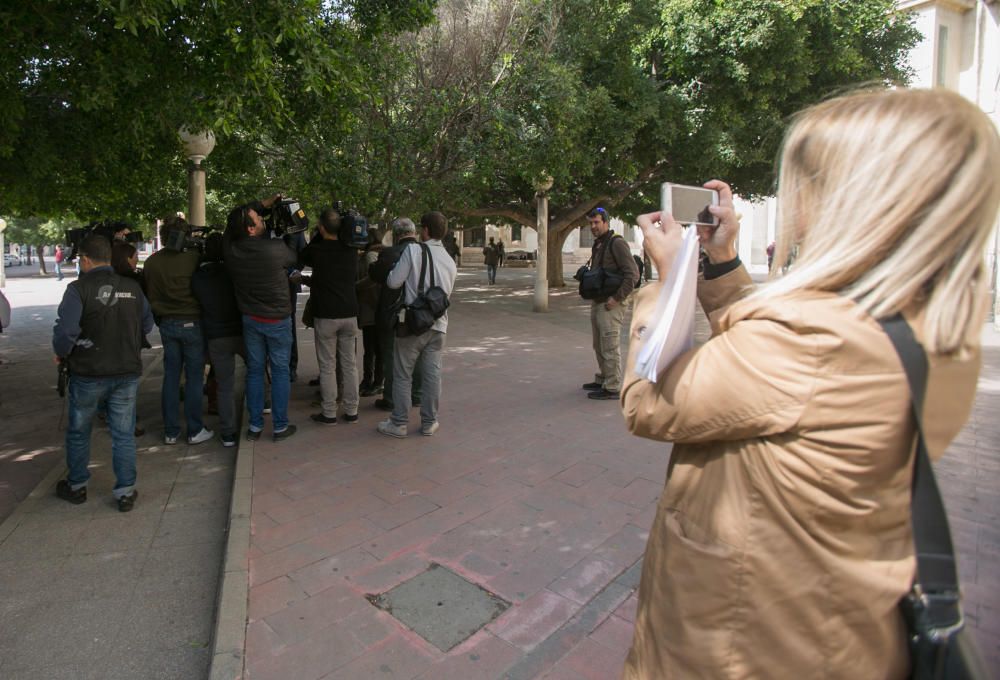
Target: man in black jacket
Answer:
pixel 99 330
pixel 335 316
pixel 259 266
pixel 404 232
pixel 222 326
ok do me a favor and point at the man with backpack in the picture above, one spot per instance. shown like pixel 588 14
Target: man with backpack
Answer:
pixel 607 314
pixel 425 272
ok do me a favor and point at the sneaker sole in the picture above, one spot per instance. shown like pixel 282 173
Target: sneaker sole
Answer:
pixel 392 434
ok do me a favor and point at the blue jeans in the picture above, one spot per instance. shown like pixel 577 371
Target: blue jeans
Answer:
pixel 491 273
pixel 59 270
pixel 182 348
pixel 84 395
pixel 271 342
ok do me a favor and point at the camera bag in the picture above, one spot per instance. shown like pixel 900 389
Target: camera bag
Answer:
pixel 597 283
pixel 430 304
pixel 941 646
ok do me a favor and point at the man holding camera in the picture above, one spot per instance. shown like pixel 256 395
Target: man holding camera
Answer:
pixel 607 314
pixel 259 266
pixel 99 330
pixel 168 274
pixel 426 348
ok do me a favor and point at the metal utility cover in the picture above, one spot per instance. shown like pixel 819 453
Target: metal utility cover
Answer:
pixel 441 606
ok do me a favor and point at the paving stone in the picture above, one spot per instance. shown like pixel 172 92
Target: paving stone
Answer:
pixel 441 606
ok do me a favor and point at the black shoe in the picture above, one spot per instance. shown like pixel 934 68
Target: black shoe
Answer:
pixel 320 418
pixel 590 387
pixel 284 434
pixel 349 419
pixel 383 404
pixel 314 382
pixel 67 494
pixel 126 503
pixel 253 435
pixel 603 394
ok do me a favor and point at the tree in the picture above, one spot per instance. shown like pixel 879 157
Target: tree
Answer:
pixel 97 89
pixel 609 98
pixel 37 232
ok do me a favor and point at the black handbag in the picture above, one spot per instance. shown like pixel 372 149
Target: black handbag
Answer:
pixel 941 646
pixel 430 304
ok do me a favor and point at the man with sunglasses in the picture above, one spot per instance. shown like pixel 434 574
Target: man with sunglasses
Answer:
pixel 607 314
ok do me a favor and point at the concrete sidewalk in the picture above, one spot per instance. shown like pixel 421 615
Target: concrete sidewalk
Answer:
pixel 529 490
pixel 86 591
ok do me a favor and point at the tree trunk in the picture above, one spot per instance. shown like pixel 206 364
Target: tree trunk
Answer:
pixel 41 260
pixel 557 237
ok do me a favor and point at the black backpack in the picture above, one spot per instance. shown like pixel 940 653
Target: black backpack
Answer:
pixel 642 267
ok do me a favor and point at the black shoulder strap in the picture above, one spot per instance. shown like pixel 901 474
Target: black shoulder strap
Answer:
pixel 425 259
pixel 936 572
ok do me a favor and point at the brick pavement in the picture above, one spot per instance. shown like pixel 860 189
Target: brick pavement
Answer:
pixel 528 489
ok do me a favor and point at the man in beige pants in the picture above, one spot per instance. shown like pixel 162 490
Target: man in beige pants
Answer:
pixel 611 252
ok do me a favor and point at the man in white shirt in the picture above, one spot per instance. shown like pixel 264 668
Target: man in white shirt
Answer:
pixel 427 347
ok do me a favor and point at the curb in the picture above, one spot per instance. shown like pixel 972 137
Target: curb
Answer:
pixel 229 640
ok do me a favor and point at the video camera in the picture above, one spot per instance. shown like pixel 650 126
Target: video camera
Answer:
pixel 106 228
pixel 353 227
pixel 287 217
pixel 180 239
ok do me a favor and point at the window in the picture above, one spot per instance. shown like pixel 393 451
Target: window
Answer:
pixel 475 238
pixel 586 238
pixel 515 232
pixel 941 79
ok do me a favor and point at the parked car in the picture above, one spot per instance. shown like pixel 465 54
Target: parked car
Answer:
pixel 10 260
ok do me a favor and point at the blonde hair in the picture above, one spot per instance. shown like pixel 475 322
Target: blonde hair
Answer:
pixel 890 197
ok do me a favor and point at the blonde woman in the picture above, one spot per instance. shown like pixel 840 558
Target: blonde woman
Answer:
pixel 782 544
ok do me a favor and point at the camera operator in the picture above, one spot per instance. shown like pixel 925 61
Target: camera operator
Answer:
pixel 98 332
pixel 335 312
pixel 168 283
pixel 258 266
pixel 222 326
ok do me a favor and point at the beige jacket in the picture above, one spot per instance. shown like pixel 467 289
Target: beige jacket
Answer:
pixel 782 542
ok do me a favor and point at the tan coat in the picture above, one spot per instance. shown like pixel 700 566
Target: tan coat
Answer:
pixel 782 542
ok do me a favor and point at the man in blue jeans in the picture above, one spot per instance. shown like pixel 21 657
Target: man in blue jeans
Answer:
pixel 98 334
pixel 168 275
pixel 259 265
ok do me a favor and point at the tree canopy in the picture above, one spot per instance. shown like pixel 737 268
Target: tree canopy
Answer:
pixel 398 106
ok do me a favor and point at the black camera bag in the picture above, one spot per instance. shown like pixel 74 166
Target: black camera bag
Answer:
pixel 430 304
pixel 598 283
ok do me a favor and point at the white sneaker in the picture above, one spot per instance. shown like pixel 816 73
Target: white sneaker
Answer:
pixel 169 441
pixel 202 436
pixel 386 427
pixel 429 430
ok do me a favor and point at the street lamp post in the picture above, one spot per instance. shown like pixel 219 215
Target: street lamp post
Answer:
pixel 542 186
pixel 197 146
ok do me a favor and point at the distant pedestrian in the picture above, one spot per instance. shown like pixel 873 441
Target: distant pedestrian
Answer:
pixel 492 257
pixel 501 253
pixel 425 349
pixel 368 294
pixel 59 256
pixel 98 333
